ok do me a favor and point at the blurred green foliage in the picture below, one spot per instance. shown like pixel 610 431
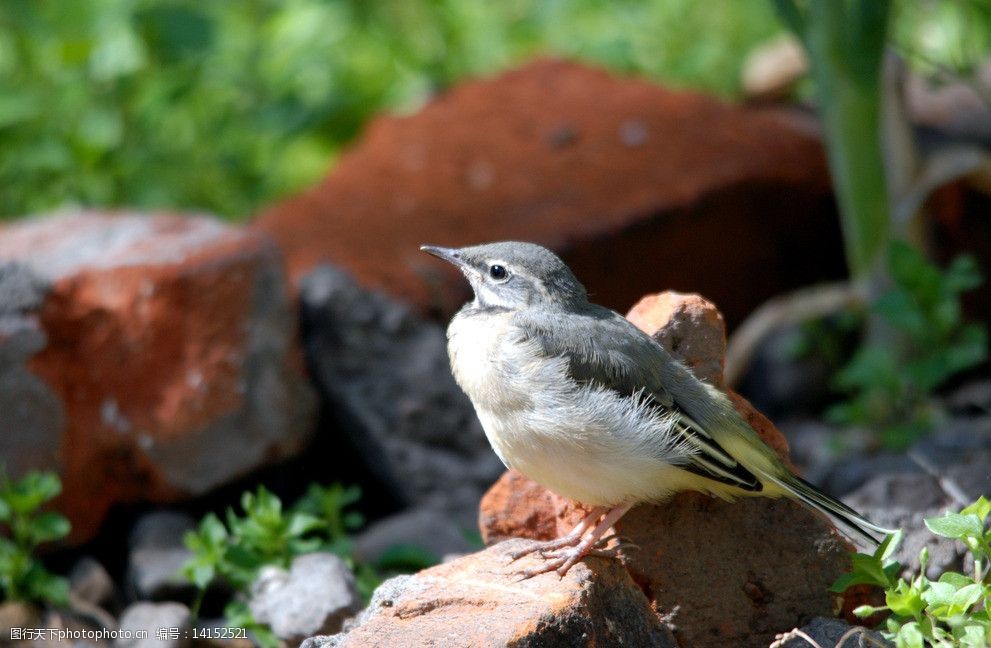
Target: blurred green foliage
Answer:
pixel 943 36
pixel 224 106
pixel 23 527
pixel 891 384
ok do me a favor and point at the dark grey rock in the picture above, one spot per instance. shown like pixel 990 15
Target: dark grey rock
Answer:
pixel 383 598
pixel 21 289
pixel 156 553
pixel 811 441
pixel 942 472
pixel 384 373
pixel 90 582
pixel 827 632
pixel 167 625
pixel 887 500
pixel 424 528
pixel 315 596
pixel 31 414
pixel 778 382
pixel 972 398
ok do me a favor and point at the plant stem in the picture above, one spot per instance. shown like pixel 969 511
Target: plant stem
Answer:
pixel 846 40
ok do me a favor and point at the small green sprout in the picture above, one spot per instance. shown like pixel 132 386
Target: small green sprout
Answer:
pixel 948 612
pixel 22 576
pixel 234 550
pixel 890 383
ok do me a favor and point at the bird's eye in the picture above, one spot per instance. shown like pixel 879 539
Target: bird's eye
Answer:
pixel 498 272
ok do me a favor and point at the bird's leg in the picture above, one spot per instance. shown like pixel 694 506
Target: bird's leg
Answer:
pixel 603 549
pixel 569 540
pixel 565 558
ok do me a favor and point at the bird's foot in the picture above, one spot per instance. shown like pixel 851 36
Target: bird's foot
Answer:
pixel 545 546
pixel 559 561
pixel 562 554
pixel 601 548
pixel 622 543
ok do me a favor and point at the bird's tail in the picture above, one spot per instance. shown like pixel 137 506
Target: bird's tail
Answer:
pixel 847 518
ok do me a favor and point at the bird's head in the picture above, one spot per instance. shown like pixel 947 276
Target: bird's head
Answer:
pixel 513 275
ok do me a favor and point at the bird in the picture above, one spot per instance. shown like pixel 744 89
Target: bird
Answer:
pixel 578 399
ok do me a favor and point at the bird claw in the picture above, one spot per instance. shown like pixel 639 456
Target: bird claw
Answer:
pixel 561 561
pixel 543 546
pixel 623 543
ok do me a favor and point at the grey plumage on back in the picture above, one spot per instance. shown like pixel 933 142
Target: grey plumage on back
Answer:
pixel 603 348
pixel 580 400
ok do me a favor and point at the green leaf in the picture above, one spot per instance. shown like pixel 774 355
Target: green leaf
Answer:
pixel 901 309
pixel 303 523
pixel 963 274
pixel 870 567
pixel 49 526
pixel 40 585
pixel 965 597
pixel 904 600
pixel 956 525
pixel 975 635
pixel 939 594
pixel 406 558
pixel 243 558
pixel 909 636
pixel 955 580
pixel 300 546
pixel 888 546
pixel 867 569
pixel 353 520
pixel 212 530
pixel 200 574
pixel 906 264
pixel 31 491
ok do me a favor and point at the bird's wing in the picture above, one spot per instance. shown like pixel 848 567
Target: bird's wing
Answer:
pixel 603 348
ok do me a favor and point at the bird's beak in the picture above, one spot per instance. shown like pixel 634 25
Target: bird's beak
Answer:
pixel 451 255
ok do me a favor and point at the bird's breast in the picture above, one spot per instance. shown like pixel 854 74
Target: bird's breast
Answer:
pixel 479 359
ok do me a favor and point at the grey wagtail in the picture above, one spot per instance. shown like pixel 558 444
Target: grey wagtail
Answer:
pixel 578 399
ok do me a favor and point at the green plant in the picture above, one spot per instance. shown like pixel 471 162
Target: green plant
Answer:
pixel 22 576
pixel 951 611
pixel 845 41
pixel 236 549
pixel 226 106
pixel 891 385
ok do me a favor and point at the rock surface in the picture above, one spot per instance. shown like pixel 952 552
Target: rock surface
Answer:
pixel 476 601
pixel 384 374
pixel 829 632
pixel 152 356
pixel 942 472
pixel 688 326
pixel 637 186
pixel 166 624
pixel 422 527
pixel 90 583
pixel 721 573
pixel 156 554
pixel 313 597
pixel 33 414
